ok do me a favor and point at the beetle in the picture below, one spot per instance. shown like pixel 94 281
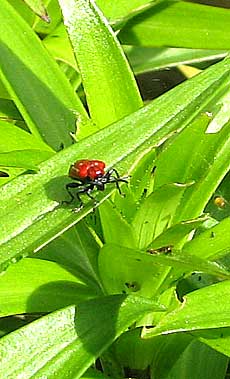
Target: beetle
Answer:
pixel 90 174
pixel 220 202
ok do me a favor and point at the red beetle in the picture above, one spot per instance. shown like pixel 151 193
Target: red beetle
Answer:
pixel 90 174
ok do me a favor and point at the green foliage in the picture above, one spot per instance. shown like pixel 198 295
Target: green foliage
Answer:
pixel 114 286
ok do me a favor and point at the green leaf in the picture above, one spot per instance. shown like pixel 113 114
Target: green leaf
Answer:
pixel 144 59
pixel 129 270
pixel 120 8
pixel 23 10
pixel 38 7
pixel 20 150
pixel 217 339
pixel 8 111
pixel 179 24
pixel 35 286
pixel 156 212
pixel 58 44
pixel 100 60
pixel 39 89
pixel 54 14
pixel 28 159
pixel 216 238
pixel 124 270
pixel 175 235
pixel 67 342
pixel 219 205
pixel 82 253
pixel 137 353
pixel 30 210
pixel 220 113
pixel 15 138
pixel 201 158
pixel 94 374
pixel 166 351
pixel 205 308
pixel 178 356
pixel 140 184
pixel 115 227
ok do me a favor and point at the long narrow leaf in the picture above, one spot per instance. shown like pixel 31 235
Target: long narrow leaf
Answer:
pixel 217 239
pixel 31 210
pixel 108 82
pixel 35 82
pixel 68 341
pixel 206 308
pixel 36 285
pixel 179 24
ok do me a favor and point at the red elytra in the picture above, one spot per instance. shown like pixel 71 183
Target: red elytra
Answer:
pixel 90 174
pixel 87 169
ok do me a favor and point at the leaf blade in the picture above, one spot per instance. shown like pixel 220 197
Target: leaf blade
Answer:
pixel 166 24
pixel 100 60
pixel 40 218
pixel 67 341
pixel 46 103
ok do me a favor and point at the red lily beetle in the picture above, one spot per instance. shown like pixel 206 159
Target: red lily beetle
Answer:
pixel 90 174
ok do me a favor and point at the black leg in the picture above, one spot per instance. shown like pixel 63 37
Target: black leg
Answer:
pixel 87 192
pixel 83 191
pixel 116 179
pixel 80 202
pixel 118 187
pixel 111 172
pixel 68 186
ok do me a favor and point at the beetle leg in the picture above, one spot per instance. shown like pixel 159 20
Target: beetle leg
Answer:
pixel 68 186
pixel 116 179
pixel 82 191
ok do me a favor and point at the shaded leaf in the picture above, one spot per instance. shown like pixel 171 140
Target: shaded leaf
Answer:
pixel 39 89
pixel 205 308
pixel 35 286
pixel 28 159
pixel 67 342
pixel 166 24
pixel 144 59
pixel 31 210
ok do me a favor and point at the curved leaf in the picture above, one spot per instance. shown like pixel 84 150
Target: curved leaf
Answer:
pixel 35 286
pixel 145 59
pixel 38 7
pixel 31 210
pixel 216 238
pixel 179 24
pixel 40 90
pixel 199 157
pixel 205 308
pixel 67 342
pixel 110 88
pixel 120 8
